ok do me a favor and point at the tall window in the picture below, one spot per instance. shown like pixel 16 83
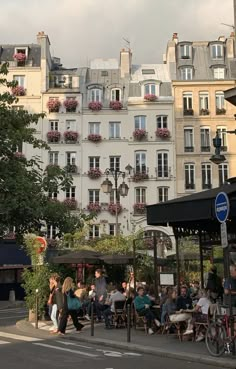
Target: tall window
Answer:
pixel 150 88
pixel 140 195
pixel 219 73
pixel 115 163
pixel 217 51
pixel 162 121
pixel 188 140
pixel 114 130
pixel 70 158
pixel 93 196
pixel 94 231
pixel 140 122
pixel 162 165
pixel 185 51
pixel 51 231
pixel 53 157
pixel 189 170
pixel 205 139
pixel 94 162
pixel 96 94
pixel 52 195
pixel 223 173
pixel 116 94
pixel 220 100
pixel 187 102
pixel 112 229
pixel 53 125
pixel 163 194
pixel 186 73
pixel 206 176
pixel 203 101
pixel 140 162
pixel 222 132
pixel 94 128
pixel 20 80
pixel 70 192
pixel 70 125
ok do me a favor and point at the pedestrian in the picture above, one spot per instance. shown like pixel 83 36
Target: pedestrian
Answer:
pixel 57 303
pixel 101 293
pixel 214 285
pixel 68 294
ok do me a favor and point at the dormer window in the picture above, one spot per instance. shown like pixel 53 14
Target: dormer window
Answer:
pixel 150 89
pixel 96 94
pixel 219 73
pixel 115 94
pixel 185 51
pixel 186 73
pixel 20 55
pixel 217 51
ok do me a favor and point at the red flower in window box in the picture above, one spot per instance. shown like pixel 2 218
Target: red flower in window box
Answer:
pixel 53 105
pixel 19 56
pixel 139 208
pixel 112 208
pixel 71 203
pixel 18 91
pixel 95 105
pixel 94 207
pixel 139 134
pixel 94 173
pixel 163 132
pixel 150 97
pixel 53 136
pixel 70 105
pixel 116 105
pixel 71 136
pixel 94 137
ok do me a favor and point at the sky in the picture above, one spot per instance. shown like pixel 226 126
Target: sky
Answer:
pixel 82 30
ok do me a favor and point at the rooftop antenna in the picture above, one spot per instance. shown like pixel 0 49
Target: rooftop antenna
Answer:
pixel 127 42
pixel 229 25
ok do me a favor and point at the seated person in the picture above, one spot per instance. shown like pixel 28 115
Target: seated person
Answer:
pixel 142 305
pixel 201 309
pixel 125 289
pixel 117 295
pixel 169 307
pixel 230 286
pixel 184 302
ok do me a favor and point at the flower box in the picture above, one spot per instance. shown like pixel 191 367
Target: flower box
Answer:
pixel 163 133
pixel 112 208
pixel 188 112
pixel 94 207
pixel 71 168
pixel 221 111
pixel 140 176
pixel 71 136
pixel 94 173
pixel 204 112
pixel 94 137
pixel 116 105
pixel 95 105
pixel 71 203
pixel 18 91
pixel 70 105
pixel 150 97
pixel 20 57
pixel 139 134
pixel 139 208
pixel 53 136
pixel 53 105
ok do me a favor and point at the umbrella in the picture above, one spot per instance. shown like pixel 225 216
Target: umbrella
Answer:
pixel 78 257
pixel 117 259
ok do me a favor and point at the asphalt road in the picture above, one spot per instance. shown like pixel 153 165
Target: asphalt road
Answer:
pixel 21 351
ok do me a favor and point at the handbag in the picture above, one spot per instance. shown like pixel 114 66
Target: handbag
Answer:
pixel 73 303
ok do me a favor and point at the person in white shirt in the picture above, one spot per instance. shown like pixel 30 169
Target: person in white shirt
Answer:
pixel 117 295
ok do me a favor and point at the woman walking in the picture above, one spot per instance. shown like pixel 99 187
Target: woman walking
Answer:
pixel 57 303
pixel 68 294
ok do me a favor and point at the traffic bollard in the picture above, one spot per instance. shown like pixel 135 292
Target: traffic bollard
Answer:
pixel 128 323
pixel 92 319
pixel 36 309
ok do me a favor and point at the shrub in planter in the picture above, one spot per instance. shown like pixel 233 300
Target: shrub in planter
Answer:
pixel 150 97
pixel 116 105
pixel 53 105
pixel 163 133
pixel 95 105
pixel 71 203
pixel 140 176
pixel 94 173
pixel 94 207
pixel 94 137
pixel 70 105
pixel 112 208
pixel 18 91
pixel 204 112
pixel 188 112
pixel 221 111
pixel 140 208
pixel 139 134
pixel 53 136
pixel 71 136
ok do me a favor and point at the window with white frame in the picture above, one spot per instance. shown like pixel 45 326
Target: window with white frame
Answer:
pixel 94 128
pixel 94 231
pixel 222 133
pixel 162 121
pixel 112 229
pixel 140 122
pixel 220 100
pixel 96 94
pixel 140 162
pixel 116 94
pixel 20 80
pixel 53 125
pixel 219 73
pixel 52 195
pixel 114 130
pixel 150 89
pixel 140 195
pixel 71 158
pixel 188 139
pixel 51 231
pixel 187 101
pixel 206 176
pixel 70 192
pixel 223 173
pixel 163 194
pixel 186 73
pixel 114 163
pixel 185 51
pixel 94 162
pixel 70 125
pixel 189 171
pixel 205 139
pixel 53 157
pixel 162 165
pixel 93 196
pixel 217 51
pixel 203 101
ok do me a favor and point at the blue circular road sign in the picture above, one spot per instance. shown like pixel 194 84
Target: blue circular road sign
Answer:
pixel 222 207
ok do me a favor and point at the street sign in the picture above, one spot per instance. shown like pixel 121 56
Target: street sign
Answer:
pixel 222 207
pixel 223 235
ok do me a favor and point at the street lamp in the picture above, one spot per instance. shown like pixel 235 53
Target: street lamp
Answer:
pixel 122 190
pixel 218 158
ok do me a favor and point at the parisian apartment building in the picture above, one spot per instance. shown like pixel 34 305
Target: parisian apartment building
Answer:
pixel 154 123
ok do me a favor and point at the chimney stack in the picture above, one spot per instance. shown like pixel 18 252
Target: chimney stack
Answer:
pixel 125 62
pixel 175 37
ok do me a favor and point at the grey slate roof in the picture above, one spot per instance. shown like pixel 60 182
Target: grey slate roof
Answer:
pixel 34 53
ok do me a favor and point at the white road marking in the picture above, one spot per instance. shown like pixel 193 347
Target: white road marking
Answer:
pixel 19 337
pixel 131 354
pixel 65 349
pixel 73 344
pixel 3 342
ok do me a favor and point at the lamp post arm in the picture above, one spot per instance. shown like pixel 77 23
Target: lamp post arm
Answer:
pixel 232 132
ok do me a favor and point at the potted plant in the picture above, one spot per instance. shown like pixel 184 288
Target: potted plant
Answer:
pixel 112 208
pixel 220 111
pixel 140 176
pixel 204 112
pixel 116 105
pixel 70 203
pixel 94 173
pixel 52 167
pixel 163 133
pixel 94 137
pixel 150 97
pixel 95 105
pixel 139 208
pixel 139 134
pixel 20 57
pixel 18 91
pixel 53 105
pixel 94 207
pixel 70 105
pixel 188 111
pixel 53 136
pixel 71 136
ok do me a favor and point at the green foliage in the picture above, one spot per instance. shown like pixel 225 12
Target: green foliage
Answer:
pixel 119 245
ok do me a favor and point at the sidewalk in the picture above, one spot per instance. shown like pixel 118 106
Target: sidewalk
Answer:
pixel 8 304
pixel 159 345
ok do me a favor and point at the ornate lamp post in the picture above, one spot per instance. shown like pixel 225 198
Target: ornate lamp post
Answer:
pixel 122 190
pixel 218 158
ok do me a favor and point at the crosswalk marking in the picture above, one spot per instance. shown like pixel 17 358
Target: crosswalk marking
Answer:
pixel 3 342
pixel 73 344
pixel 65 349
pixel 19 337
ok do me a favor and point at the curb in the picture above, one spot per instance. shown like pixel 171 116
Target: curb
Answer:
pixel 181 355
